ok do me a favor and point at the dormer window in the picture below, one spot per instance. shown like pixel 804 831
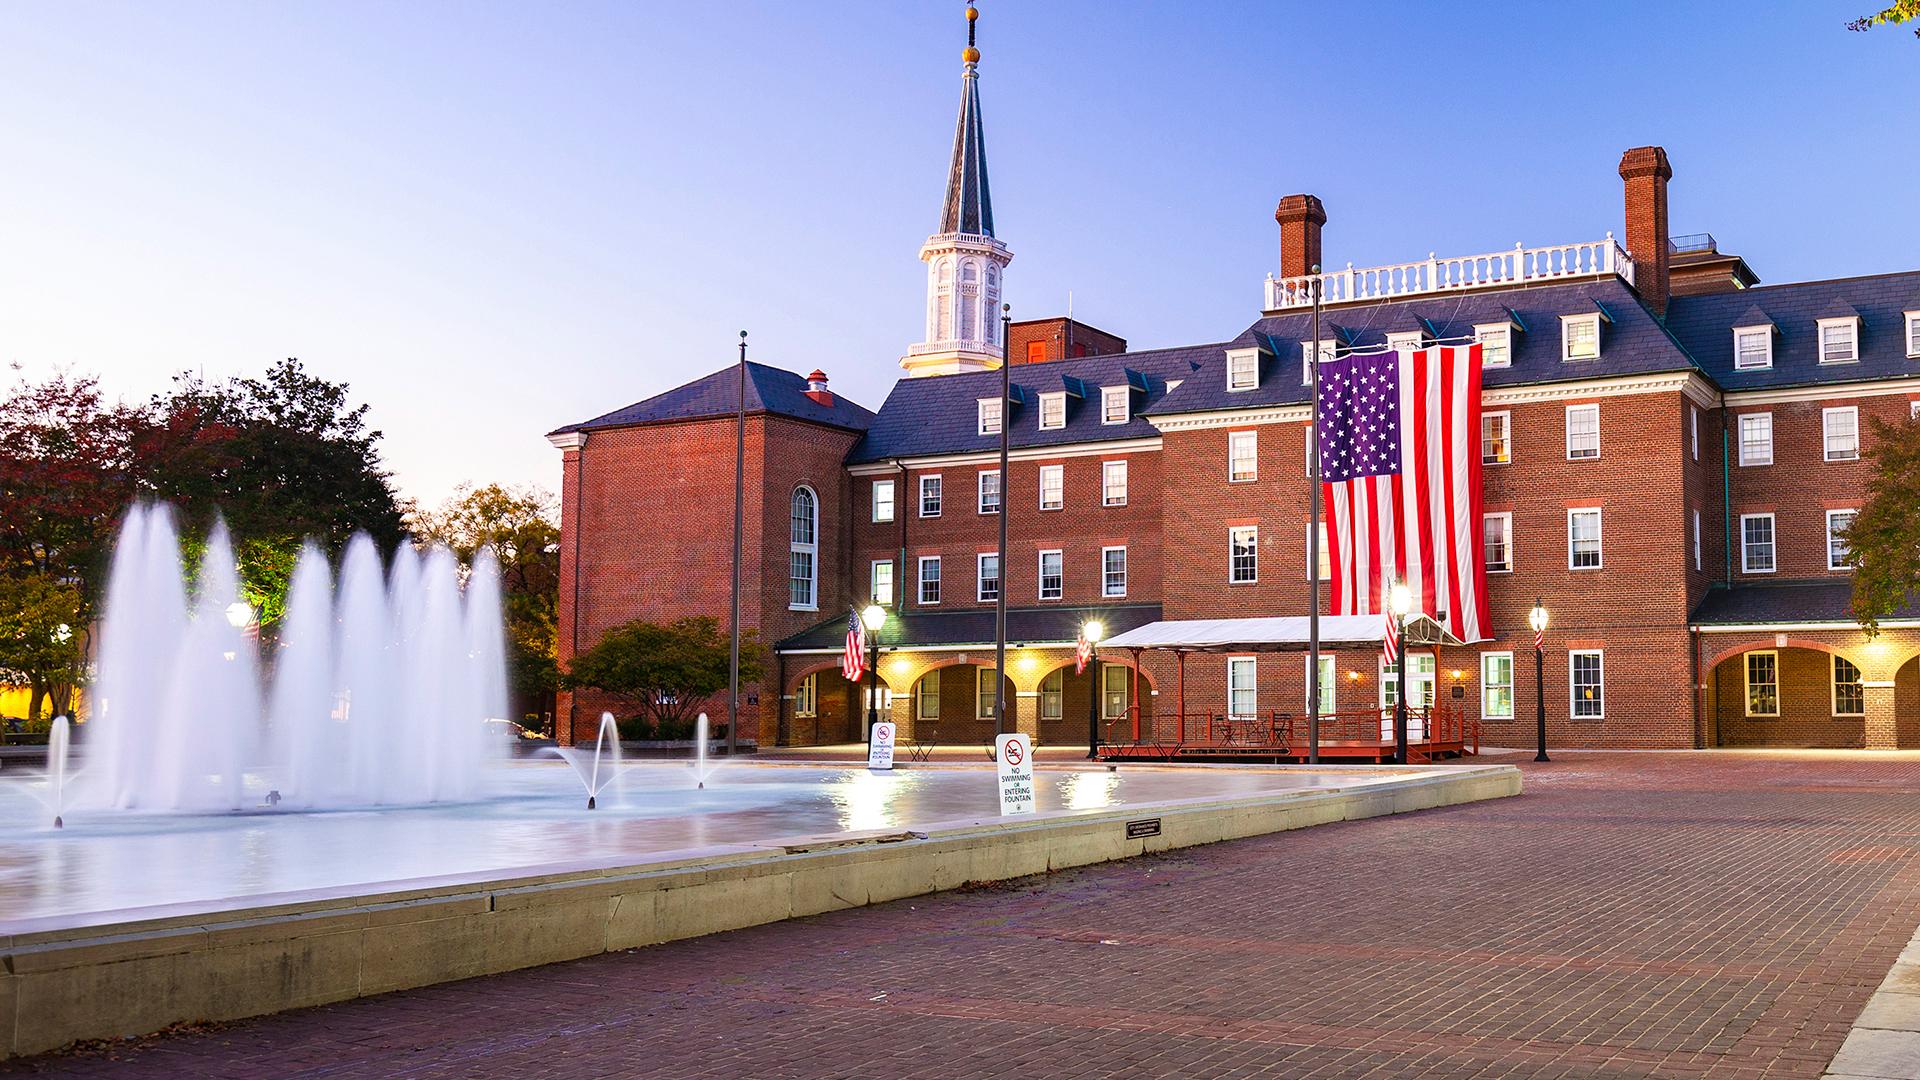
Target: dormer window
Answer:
pixel 1116 404
pixel 1496 344
pixel 990 416
pixel 1243 369
pixel 1411 341
pixel 1580 337
pixel 1329 350
pixel 1840 340
pixel 1913 334
pixel 1752 347
pixel 1053 411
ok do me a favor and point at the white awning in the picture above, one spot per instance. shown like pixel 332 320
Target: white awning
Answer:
pixel 1286 633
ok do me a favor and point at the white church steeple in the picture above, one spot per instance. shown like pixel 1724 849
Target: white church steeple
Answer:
pixel 965 263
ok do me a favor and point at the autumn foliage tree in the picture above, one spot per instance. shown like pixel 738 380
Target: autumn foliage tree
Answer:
pixel 1884 540
pixel 665 671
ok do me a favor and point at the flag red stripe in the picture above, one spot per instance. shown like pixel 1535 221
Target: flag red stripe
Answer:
pixel 1449 433
pixel 1423 496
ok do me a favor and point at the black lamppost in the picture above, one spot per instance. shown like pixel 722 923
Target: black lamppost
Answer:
pixel 1401 600
pixel 873 618
pixel 1093 631
pixel 1537 618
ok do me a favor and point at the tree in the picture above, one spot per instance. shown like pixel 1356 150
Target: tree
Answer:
pixel 668 672
pixel 1884 539
pixel 1901 11
pixel 41 639
pixel 65 477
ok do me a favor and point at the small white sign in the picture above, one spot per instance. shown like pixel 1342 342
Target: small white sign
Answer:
pixel 1014 755
pixel 880 746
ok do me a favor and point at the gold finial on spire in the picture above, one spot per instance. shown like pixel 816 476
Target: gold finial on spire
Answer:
pixel 971 55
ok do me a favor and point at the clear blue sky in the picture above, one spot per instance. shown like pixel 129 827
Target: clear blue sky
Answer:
pixel 496 218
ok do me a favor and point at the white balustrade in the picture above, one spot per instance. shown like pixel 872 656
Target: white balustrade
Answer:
pixel 1522 265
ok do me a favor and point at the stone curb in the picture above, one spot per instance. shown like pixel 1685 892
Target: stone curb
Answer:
pixel 1885 1041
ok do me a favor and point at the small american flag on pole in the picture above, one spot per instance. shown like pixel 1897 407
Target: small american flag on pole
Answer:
pixel 1082 651
pixel 853 661
pixel 1539 639
pixel 1390 641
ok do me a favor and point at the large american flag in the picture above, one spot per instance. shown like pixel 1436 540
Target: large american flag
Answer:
pixel 1399 439
pixel 853 659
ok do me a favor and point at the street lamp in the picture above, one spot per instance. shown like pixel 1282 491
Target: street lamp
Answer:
pixel 1537 618
pixel 874 617
pixel 1400 601
pixel 1093 630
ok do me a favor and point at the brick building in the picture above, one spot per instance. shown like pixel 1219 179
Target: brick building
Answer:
pixel 1670 454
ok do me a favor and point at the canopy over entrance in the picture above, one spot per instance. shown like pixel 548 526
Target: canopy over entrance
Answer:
pixel 1284 633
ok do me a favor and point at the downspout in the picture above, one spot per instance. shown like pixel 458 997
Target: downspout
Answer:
pixel 900 513
pixel 579 508
pixel 1699 691
pixel 1726 500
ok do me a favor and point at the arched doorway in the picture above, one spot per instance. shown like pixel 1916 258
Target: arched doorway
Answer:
pixel 953 704
pixel 1062 701
pixel 1794 695
pixel 1906 702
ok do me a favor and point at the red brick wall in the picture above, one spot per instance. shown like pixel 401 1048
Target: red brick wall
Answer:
pixel 1059 339
pixel 1806 705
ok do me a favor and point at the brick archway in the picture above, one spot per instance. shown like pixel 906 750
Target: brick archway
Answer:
pixel 1773 644
pixel 1071 726
pixel 1800 705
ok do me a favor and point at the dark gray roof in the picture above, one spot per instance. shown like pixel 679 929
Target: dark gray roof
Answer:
pixel 1704 324
pixel 769 390
pixel 1820 600
pixel 939 414
pixel 975 627
pixel 1632 342
pixel 969 204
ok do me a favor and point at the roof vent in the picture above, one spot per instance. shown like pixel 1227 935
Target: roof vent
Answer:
pixel 817 387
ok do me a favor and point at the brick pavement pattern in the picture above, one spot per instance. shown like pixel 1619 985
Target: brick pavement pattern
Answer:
pixel 1713 915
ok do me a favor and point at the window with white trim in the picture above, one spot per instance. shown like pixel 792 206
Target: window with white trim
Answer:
pixel 930 496
pixel 1496 344
pixel 1763 683
pixel 1053 575
pixel 1053 411
pixel 1497 542
pixel 880 582
pixel 1243 456
pixel 1839 553
pixel 1243 554
pixel 1329 682
pixel 986 574
pixel 1583 538
pixel 806 696
pixel 1308 466
pixel 1113 571
pixel 929 579
pixel 1053 694
pixel 1329 350
pixel 803 550
pixel 1243 369
pixel 1053 487
pixel 926 697
pixel 990 416
pixel 1114 696
pixel 1113 483
pixel 1693 430
pixel 1421 682
pixel 1243 691
pixel 1583 432
pixel 1410 341
pixel 1913 333
pixel 1752 347
pixel 1756 438
pixel 990 491
pixel 1580 337
pixel 882 500
pixel 1841 431
pixel 1698 563
pixel 984 680
pixel 1496 438
pixel 1116 404
pixel 1587 684
pixel 1496 685
pixel 1839 340
pixel 1756 544
pixel 1324 559
pixel 1849 689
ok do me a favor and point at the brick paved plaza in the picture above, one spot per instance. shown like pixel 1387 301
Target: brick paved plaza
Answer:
pixel 1716 914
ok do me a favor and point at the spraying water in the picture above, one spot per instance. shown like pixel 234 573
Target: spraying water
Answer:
pixel 57 744
pixel 600 768
pixel 700 750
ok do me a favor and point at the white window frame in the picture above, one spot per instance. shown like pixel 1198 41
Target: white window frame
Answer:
pixel 1243 370
pixel 1059 474
pixel 1251 439
pixel 1040 582
pixel 1329 684
pixel 1506 518
pixel 1053 694
pixel 1747 683
pixel 1594 408
pixel 1106 573
pixel 809 548
pixel 1505 417
pixel 1567 325
pixel 1693 429
pixel 1486 334
pixel 1698 563
pixel 1409 341
pixel 1773 544
pixel 1114 690
pixel 939 494
pixel 1253 534
pixel 1740 432
pixel 873 582
pixel 806 697
pixel 985 404
pixel 1826 432
pixel 920 581
pixel 1111 394
pixel 1487 683
pixel 1848 323
pixel 926 691
pixel 1765 332
pixel 1423 680
pixel 984 695
pixel 1600 685
pixel 1599 536
pixel 1248 668
pixel 1106 483
pixel 1326 557
pixel 1833 684
pixel 980 577
pixel 878 486
pixel 1911 321
pixel 1055 403
pixel 980 491
pixel 1843 567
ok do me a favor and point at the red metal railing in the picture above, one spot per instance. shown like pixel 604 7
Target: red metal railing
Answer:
pixel 1442 729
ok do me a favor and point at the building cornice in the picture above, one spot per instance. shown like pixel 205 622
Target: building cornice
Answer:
pixel 992 457
pixel 1690 383
pixel 1825 392
pixel 1298 413
pixel 568 440
pixel 1775 627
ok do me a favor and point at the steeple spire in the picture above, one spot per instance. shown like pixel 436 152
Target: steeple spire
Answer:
pixel 969 205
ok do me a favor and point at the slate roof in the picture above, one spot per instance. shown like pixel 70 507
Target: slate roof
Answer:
pixel 1704 324
pixel 918 629
pixel 1820 600
pixel 769 390
pixel 940 414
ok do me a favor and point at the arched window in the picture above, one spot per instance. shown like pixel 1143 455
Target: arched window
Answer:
pixel 803 529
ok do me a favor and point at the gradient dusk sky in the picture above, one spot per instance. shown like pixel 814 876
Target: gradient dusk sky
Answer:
pixel 493 219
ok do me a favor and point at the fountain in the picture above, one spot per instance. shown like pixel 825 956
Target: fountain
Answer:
pixel 57 746
pixel 587 765
pixel 700 751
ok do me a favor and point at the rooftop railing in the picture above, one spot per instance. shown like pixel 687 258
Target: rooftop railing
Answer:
pixel 1497 269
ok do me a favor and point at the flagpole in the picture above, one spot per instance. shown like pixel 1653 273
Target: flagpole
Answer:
pixel 1000 594
pixel 1313 539
pixel 739 523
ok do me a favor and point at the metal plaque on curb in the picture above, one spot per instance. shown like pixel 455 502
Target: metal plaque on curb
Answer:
pixel 1137 830
pixel 1014 755
pixel 880 746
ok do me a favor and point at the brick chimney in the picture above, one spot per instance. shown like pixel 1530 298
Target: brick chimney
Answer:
pixel 817 387
pixel 1300 218
pixel 1646 172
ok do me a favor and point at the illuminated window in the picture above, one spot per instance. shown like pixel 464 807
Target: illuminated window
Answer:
pixel 881 579
pixel 1498 542
pixel 1839 555
pixel 985 678
pixel 1053 695
pixel 926 697
pixel 1849 692
pixel 804 697
pixel 1763 684
pixel 1496 438
pixel 1496 685
pixel 1587 684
